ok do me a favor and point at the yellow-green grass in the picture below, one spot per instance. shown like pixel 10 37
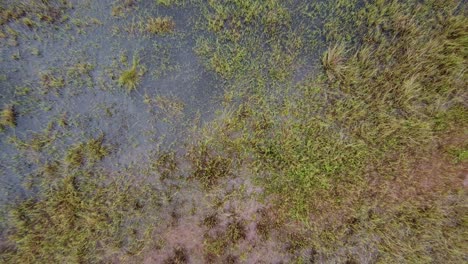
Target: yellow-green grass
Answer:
pixel 160 25
pixel 130 78
pixel 81 219
pixel 7 117
pixel 359 160
pixel 388 89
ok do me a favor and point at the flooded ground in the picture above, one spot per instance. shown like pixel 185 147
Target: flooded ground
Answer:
pixel 233 131
pixel 87 52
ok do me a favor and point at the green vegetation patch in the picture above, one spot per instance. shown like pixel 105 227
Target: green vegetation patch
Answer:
pixel 51 81
pixel 335 109
pixel 386 90
pixel 130 78
pixel 169 3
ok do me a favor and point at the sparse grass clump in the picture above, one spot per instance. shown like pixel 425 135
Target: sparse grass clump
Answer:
pixel 169 3
pixel 180 256
pixel 332 62
pixel 171 107
pixel 88 152
pixel 166 165
pixel 123 7
pixel 215 246
pixel 236 231
pixel 208 168
pixel 211 221
pixel 160 25
pixel 7 117
pixel 267 221
pixel 82 68
pixel 48 11
pixel 51 82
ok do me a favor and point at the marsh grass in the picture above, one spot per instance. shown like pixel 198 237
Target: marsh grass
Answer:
pixel 387 89
pixel 123 7
pixel 31 14
pixel 208 167
pixel 7 117
pixel 211 221
pixel 160 25
pixel 79 74
pixel 180 256
pixel 81 214
pixel 130 78
pixel 79 218
pixel 166 165
pixel 171 109
pixel 354 160
pixel 170 3
pixel 13 11
pixel 215 246
pixel 88 152
pixel 51 81
pixel 38 142
pixel 332 62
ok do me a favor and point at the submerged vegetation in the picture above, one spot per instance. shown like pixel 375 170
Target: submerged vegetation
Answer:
pixel 342 138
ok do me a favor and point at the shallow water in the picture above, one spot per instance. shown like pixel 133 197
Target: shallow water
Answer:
pixel 93 103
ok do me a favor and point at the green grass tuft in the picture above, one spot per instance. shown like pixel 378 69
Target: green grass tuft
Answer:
pixel 131 78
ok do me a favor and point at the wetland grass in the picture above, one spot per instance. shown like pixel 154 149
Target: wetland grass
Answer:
pixel 130 78
pixel 169 3
pixel 384 94
pixel 51 82
pixel 218 244
pixel 208 167
pixel 7 117
pixel 90 152
pixel 360 160
pixel 160 25
pixel 79 218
